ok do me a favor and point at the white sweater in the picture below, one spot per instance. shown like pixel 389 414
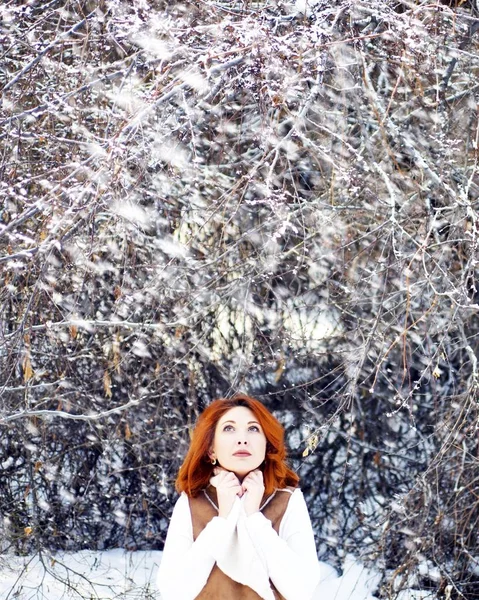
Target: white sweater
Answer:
pixel 246 548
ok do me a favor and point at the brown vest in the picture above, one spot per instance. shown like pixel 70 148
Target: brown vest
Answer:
pixel 219 586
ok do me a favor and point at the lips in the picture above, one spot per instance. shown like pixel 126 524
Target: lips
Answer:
pixel 242 453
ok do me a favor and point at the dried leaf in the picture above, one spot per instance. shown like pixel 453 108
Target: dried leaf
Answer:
pixel 28 531
pixel 27 368
pixel 73 331
pixel 311 442
pixel 107 384
pixel 276 100
pixel 280 370
pixel 128 433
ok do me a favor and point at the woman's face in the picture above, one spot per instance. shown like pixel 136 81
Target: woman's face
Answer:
pixel 239 444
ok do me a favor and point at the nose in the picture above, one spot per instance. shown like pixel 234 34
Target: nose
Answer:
pixel 239 442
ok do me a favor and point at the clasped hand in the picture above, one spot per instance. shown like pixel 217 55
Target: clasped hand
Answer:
pixel 228 487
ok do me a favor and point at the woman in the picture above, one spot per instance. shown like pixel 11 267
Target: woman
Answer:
pixel 240 529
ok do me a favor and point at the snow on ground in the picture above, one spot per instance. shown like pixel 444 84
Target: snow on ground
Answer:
pixel 122 575
pixel 84 575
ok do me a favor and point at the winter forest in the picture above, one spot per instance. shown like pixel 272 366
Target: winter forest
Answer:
pixel 211 196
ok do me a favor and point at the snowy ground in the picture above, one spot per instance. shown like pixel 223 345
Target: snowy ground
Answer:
pixel 80 575
pixel 131 575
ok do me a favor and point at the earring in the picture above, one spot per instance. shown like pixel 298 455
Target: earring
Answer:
pixel 213 461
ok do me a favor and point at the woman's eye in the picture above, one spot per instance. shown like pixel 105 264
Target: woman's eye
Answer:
pixel 254 428
pixel 227 427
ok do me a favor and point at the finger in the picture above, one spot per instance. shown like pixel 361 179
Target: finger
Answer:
pixel 228 476
pixel 223 475
pixel 252 484
pixel 227 482
pixel 234 478
pixel 230 484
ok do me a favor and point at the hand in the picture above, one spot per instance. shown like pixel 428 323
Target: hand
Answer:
pixel 254 486
pixel 227 487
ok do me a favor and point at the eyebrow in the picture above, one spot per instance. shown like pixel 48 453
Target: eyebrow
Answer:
pixel 249 422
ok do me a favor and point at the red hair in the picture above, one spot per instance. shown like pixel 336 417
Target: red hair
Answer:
pixel 196 470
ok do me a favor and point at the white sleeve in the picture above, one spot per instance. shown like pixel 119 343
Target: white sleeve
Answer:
pixel 185 564
pixel 291 557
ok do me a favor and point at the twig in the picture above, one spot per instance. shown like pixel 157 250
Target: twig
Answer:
pixel 50 46
pixel 64 415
